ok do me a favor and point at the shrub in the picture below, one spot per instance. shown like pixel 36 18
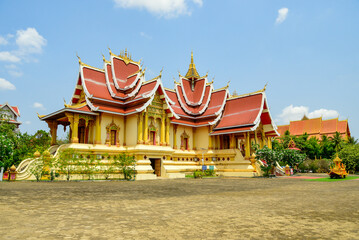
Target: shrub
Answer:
pixel 197 174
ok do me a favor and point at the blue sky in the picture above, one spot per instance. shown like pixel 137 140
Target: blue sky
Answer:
pixel 307 51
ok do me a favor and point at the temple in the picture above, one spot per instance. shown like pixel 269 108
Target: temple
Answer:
pixel 169 131
pixel 316 127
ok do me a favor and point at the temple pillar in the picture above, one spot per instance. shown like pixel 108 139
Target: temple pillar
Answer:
pixel 194 139
pixel 91 129
pixel 255 136
pixel 145 134
pixel 139 128
pixel 124 131
pixel 98 130
pixel 163 129
pixel 75 130
pixel 263 139
pixel 167 131
pixel 248 146
pixel 210 146
pixel 269 142
pixel 175 136
pixel 231 141
pixel 53 131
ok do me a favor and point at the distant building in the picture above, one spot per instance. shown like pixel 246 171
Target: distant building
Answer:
pixel 10 114
pixel 316 127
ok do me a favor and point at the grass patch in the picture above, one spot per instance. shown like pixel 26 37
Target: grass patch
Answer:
pixel 328 179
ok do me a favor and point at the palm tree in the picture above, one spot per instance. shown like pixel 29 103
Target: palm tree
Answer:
pixel 337 141
pixel 352 140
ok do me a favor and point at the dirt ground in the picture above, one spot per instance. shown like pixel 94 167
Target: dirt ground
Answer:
pixel 249 208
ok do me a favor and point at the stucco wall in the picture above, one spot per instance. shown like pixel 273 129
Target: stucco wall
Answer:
pixel 131 130
pixel 201 136
pixel 107 119
pixel 180 130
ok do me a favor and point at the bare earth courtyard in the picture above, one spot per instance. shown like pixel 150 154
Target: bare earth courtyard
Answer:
pixel 249 208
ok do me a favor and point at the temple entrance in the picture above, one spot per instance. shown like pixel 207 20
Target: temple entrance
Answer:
pixel 81 133
pixel 153 137
pixel 156 165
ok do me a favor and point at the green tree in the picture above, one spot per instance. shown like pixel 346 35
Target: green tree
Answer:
pixel 326 148
pixel 350 157
pixel 270 157
pixel 292 157
pixel 67 161
pixel 37 168
pixel 126 164
pixel 337 141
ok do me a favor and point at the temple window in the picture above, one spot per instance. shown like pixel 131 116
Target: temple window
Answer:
pixel 112 134
pixel 113 137
pixel 184 141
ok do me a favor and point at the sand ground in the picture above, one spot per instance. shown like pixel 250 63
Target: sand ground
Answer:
pixel 249 208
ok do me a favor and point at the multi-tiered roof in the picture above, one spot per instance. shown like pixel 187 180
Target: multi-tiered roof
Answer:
pixel 120 88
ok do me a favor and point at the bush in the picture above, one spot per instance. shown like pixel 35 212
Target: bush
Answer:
pixel 209 173
pixel 197 174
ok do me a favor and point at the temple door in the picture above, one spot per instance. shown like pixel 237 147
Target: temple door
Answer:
pixel 81 134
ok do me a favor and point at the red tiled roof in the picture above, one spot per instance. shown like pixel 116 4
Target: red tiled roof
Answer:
pixel 241 111
pixel 231 130
pixel 316 127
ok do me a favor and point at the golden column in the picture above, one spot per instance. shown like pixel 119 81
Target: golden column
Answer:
pixel 174 136
pixel 269 142
pixel 53 131
pixel 263 139
pixel 218 142
pixel 91 131
pixel 255 136
pixel 75 130
pixel 145 134
pixel 139 128
pixel 168 131
pixel 194 138
pixel 124 131
pixel 248 146
pixel 210 146
pixel 231 141
pixel 163 129
pixel 98 129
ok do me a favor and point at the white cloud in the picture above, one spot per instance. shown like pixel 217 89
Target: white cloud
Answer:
pixel 198 2
pixel 8 57
pixel 29 41
pixel 10 66
pixel 3 41
pixel 325 113
pixel 161 8
pixel 143 34
pixel 38 105
pixel 15 73
pixel 293 113
pixel 282 15
pixel 6 85
pixel 27 122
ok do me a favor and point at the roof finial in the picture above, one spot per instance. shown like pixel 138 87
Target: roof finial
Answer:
pixel 192 57
pixel 192 72
pixel 78 58
pixel 161 72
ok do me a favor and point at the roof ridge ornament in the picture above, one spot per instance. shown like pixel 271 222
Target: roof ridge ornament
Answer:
pixel 192 72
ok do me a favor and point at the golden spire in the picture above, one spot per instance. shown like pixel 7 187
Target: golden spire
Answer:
pixel 192 72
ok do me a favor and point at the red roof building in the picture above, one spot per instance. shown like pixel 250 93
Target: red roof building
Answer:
pixel 116 106
pixel 316 127
pixel 10 114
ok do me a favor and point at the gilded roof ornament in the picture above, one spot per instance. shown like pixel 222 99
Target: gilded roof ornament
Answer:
pixel 104 59
pixel 192 72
